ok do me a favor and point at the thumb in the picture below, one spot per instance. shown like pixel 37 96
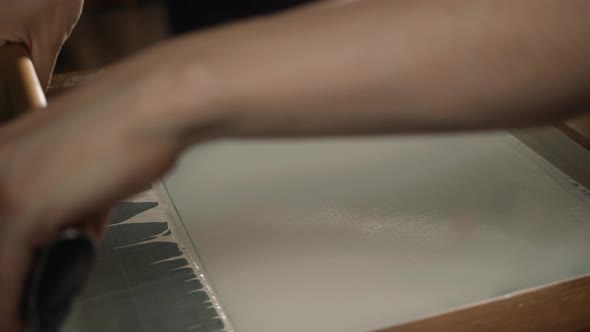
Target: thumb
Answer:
pixel 16 252
pixel 95 224
pixel 50 32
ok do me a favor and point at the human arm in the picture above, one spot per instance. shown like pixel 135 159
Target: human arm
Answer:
pixel 371 67
pixel 389 66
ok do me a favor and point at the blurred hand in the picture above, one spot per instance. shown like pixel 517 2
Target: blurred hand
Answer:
pixel 18 242
pixel 65 167
pixel 42 25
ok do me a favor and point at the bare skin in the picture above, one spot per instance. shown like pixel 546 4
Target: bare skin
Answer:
pixel 42 25
pixel 353 68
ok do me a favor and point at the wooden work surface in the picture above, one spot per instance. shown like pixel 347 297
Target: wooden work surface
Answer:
pixel 579 130
pixel 62 82
pixel 562 306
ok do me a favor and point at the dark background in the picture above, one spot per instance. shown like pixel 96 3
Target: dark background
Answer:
pixel 112 29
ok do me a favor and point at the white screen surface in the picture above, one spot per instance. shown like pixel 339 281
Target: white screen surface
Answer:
pixel 355 235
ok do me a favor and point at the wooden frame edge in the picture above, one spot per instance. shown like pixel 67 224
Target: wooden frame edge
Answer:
pixel 562 306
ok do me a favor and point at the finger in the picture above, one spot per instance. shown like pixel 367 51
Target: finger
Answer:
pixel 94 224
pixel 16 245
pixel 15 257
pixel 50 32
pixel 44 61
pixel 97 224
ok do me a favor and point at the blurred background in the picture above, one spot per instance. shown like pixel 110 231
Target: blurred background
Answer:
pixel 112 29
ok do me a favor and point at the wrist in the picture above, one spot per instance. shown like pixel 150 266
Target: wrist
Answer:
pixel 189 97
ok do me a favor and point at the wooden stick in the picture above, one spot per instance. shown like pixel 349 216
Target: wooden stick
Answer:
pixel 20 90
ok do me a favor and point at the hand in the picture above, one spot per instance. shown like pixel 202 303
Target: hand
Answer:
pixel 42 25
pixel 17 244
pixel 88 150
pixel 71 184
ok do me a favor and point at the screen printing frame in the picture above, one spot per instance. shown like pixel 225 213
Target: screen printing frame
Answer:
pixel 560 306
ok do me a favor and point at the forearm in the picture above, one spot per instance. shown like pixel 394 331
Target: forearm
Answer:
pixel 362 68
pixel 381 66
